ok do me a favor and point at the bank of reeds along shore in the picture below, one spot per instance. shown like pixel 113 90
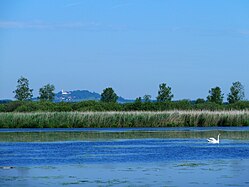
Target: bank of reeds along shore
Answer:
pixel 124 119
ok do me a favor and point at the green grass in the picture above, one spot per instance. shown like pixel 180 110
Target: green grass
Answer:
pixel 112 135
pixel 123 119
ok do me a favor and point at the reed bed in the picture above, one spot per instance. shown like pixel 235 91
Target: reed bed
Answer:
pixel 173 118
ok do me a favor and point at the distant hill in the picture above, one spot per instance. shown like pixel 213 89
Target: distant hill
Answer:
pixel 3 101
pixel 82 95
pixel 76 96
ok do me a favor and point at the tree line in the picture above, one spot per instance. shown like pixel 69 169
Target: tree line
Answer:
pixel 46 93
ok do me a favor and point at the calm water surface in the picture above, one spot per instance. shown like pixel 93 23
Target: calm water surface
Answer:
pixel 124 157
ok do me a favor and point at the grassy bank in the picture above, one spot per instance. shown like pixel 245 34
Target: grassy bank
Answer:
pixel 98 136
pixel 124 119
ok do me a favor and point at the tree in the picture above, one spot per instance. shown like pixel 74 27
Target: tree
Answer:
pixel 138 100
pixel 23 92
pixel 137 105
pixel 109 95
pixel 215 95
pixel 199 101
pixel 164 93
pixel 236 93
pixel 147 98
pixel 47 92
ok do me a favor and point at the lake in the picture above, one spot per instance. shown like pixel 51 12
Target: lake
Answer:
pixel 124 157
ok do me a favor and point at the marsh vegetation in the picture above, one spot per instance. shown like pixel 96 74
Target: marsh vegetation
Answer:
pixel 175 118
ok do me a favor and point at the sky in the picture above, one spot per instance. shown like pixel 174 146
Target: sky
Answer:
pixel 129 45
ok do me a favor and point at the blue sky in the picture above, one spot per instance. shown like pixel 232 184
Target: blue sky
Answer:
pixel 130 45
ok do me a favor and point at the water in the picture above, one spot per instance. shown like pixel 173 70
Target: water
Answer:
pixel 124 157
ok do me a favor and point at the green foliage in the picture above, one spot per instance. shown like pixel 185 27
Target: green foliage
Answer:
pixel 184 104
pixel 96 106
pixel 138 100
pixel 239 105
pixel 46 106
pixel 23 92
pixel 138 105
pixel 164 93
pixel 111 106
pixel 86 106
pixel 199 101
pixel 47 93
pixel 236 93
pixel 215 95
pixel 63 107
pixel 2 108
pixel 147 98
pixel 28 106
pixel 12 106
pixel 210 106
pixel 109 96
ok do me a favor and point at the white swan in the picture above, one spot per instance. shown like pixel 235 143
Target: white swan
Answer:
pixel 213 140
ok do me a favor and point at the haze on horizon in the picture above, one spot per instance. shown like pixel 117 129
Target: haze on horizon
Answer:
pixel 131 46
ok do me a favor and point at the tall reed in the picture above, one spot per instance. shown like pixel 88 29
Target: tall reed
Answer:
pixel 124 119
